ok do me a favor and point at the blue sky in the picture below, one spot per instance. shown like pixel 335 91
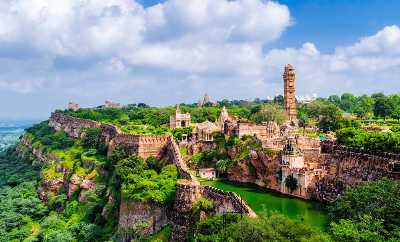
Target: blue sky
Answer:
pixel 165 52
pixel 329 23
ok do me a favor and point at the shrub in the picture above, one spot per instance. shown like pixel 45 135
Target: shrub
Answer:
pixel 91 139
pixel 202 204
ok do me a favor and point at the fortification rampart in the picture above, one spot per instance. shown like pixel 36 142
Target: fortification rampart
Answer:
pixel 350 167
pixel 349 157
pixel 188 190
pixel 72 126
pixel 226 201
pixel 140 145
pixel 175 155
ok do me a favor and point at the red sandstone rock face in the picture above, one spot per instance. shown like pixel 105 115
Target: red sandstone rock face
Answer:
pixel 74 184
pixel 53 185
pixel 266 170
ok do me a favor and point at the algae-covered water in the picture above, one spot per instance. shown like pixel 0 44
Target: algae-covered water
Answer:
pixel 264 202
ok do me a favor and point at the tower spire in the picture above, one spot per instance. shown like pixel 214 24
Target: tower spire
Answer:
pixel 289 78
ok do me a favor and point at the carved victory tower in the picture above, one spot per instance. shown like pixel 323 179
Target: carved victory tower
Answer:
pixel 289 78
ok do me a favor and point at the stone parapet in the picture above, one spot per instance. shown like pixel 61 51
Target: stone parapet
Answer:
pixel 350 167
pixel 227 201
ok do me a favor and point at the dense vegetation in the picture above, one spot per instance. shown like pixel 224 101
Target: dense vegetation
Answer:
pixel 219 158
pixel 142 119
pixel 24 217
pixel 369 140
pixel 231 227
pixel 80 217
pixel 376 105
pixel 369 212
pixel 148 180
pixel 336 112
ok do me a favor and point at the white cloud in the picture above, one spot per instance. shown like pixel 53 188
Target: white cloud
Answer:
pixel 385 42
pixel 90 50
pixel 371 64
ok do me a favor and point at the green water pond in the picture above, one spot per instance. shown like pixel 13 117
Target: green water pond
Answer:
pixel 264 202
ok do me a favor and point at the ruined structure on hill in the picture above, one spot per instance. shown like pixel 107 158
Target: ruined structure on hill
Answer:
pixel 110 104
pixel 73 106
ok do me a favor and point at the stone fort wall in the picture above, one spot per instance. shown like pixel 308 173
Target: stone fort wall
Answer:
pixel 349 167
pixel 188 190
pixel 140 145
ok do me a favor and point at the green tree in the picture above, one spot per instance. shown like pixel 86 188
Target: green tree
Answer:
pixel 270 112
pixel 396 114
pixel 361 229
pixel 382 107
pixel 334 99
pixel 379 199
pixel 347 102
pixel 202 204
pixel 291 183
pixel 118 154
pixel 272 228
pixel 91 139
pixel 364 106
pixel 303 120
pixel 329 116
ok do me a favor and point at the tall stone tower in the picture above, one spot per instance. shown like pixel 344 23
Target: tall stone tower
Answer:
pixel 289 78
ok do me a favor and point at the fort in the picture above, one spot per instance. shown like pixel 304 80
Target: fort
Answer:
pixel 161 146
pixel 322 169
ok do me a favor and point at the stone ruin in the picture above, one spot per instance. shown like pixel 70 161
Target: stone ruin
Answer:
pixel 73 106
pixel 111 104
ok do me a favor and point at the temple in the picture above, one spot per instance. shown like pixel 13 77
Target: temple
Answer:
pixel 179 119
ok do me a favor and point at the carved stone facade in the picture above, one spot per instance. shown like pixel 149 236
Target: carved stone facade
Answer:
pixel 289 78
pixel 205 131
pixel 179 119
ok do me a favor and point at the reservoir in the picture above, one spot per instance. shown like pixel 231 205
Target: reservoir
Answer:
pixel 264 202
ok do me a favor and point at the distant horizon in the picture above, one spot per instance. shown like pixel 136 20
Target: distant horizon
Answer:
pixel 39 119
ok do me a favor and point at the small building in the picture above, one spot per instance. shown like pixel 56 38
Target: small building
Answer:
pixel 205 131
pixel 73 106
pixel 208 173
pixel 110 104
pixel 251 129
pixel 179 119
